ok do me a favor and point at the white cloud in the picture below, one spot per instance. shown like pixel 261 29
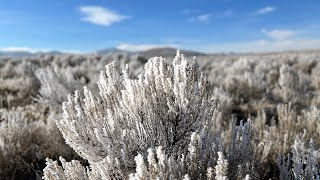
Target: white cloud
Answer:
pixel 36 50
pixel 274 40
pixel 265 45
pixel 100 16
pixel 204 18
pixel 280 34
pixel 264 10
pixel 25 49
pixel 142 47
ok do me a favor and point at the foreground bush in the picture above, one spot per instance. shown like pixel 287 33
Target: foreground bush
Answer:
pixel 168 108
pixel 163 107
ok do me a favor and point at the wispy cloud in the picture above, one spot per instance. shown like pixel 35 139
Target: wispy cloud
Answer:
pixel 143 47
pixel 280 34
pixel 36 50
pixel 264 10
pixel 274 40
pixel 22 49
pixel 189 11
pixel 203 18
pixel 100 16
pixel 265 45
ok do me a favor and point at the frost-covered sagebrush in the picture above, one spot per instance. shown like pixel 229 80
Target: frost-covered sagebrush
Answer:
pixel 56 84
pixel 302 164
pixel 25 141
pixel 162 107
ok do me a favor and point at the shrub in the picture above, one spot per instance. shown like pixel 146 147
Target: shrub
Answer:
pixel 130 116
pixel 25 142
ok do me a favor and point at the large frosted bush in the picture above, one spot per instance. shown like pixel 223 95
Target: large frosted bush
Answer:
pixel 162 107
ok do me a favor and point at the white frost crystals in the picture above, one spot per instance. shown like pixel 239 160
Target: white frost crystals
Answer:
pixel 162 107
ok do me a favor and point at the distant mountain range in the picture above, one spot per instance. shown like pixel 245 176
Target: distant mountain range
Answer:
pixel 168 52
pixel 164 52
pixel 20 54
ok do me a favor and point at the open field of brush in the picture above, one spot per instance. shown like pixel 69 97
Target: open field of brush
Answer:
pixel 246 116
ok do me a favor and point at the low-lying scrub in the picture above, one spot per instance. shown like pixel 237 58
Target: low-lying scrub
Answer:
pixel 253 116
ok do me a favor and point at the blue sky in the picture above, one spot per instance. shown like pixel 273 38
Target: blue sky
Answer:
pixel 203 25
